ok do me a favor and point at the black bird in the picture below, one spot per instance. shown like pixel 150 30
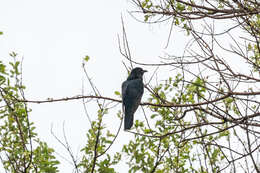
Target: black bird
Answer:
pixel 132 92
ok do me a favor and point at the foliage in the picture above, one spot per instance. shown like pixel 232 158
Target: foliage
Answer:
pixel 96 158
pixel 20 148
pixel 167 146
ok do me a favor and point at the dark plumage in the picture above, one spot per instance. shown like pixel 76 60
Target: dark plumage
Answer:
pixel 132 92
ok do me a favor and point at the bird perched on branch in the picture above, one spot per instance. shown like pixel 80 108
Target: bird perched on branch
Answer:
pixel 132 92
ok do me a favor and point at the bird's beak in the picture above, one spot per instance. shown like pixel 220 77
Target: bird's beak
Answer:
pixel 144 71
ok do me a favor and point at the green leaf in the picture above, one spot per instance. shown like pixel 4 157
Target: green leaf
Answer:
pixel 154 115
pixel 147 130
pixel 13 54
pixel 117 93
pixel 86 58
pixel 146 17
pixel 180 7
pixel 2 68
pixel 1 33
pixel 249 47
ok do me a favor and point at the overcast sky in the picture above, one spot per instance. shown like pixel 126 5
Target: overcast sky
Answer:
pixel 53 37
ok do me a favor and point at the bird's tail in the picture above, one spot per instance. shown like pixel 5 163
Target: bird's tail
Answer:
pixel 128 122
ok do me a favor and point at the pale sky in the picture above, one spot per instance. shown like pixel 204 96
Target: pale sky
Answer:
pixel 53 37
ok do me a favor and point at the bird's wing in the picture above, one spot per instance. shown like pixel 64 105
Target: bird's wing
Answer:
pixel 124 88
pixel 132 92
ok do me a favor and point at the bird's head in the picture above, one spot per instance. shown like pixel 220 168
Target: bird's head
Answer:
pixel 136 73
